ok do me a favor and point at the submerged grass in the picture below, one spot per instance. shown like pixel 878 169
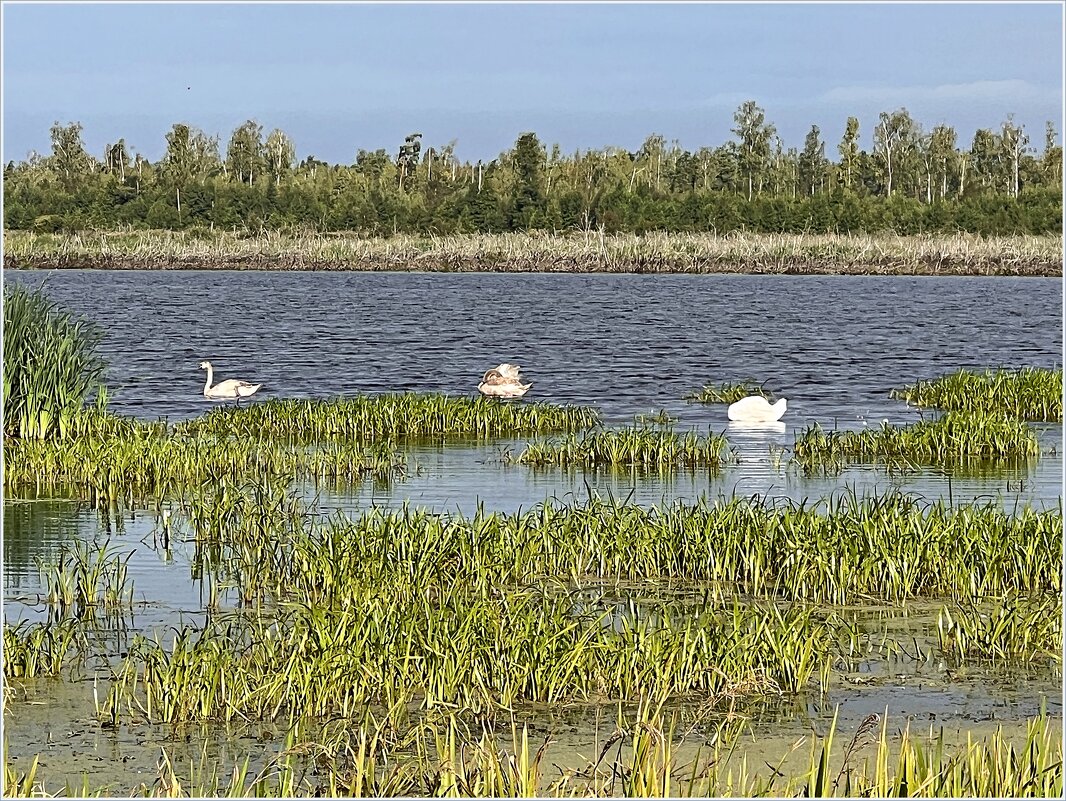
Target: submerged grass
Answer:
pixel 130 461
pixel 841 550
pixel 40 649
pixel 1028 393
pixel 647 760
pixel 447 647
pixel 638 446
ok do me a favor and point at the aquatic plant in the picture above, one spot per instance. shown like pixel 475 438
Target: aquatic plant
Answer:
pixel 637 446
pixel 40 649
pixel 1012 629
pixel 88 576
pixel 128 461
pixel 1026 393
pixel 449 759
pixel 728 392
pixel 956 437
pixel 445 645
pixel 379 417
pixel 50 366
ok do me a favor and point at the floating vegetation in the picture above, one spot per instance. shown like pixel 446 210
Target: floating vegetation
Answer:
pixel 375 417
pixel 638 446
pixel 955 437
pixel 1028 393
pixel 728 392
pixel 50 366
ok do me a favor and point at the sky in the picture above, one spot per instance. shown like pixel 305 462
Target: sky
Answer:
pixel 337 77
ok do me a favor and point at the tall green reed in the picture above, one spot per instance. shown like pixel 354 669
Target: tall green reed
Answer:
pixel 50 366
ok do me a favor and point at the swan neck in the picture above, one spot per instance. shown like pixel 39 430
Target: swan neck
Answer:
pixel 207 386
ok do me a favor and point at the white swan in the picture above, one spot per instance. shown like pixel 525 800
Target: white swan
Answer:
pixel 503 382
pixel 756 409
pixel 230 389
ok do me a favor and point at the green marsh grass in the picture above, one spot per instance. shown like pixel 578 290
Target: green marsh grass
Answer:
pixel 1013 629
pixel 728 392
pixel 87 577
pixel 637 446
pixel 840 550
pixel 398 645
pixel 40 649
pixel 132 461
pixel 1028 393
pixel 376 417
pixel 954 439
pixel 50 366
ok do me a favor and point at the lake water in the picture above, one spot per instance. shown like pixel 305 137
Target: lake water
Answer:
pixel 628 344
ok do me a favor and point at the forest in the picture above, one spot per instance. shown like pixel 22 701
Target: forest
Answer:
pixel 913 181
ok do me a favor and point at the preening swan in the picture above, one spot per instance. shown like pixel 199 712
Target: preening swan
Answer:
pixel 230 389
pixel 756 409
pixel 503 382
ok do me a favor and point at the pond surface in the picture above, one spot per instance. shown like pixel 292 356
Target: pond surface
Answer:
pixel 628 344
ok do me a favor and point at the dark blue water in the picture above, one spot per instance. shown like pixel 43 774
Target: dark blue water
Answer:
pixel 833 345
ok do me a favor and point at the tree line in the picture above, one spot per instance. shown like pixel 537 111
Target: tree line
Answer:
pixel 912 181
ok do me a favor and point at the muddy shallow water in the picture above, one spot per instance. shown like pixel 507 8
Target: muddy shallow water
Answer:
pixel 628 345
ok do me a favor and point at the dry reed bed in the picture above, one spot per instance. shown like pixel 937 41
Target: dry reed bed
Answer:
pixel 887 254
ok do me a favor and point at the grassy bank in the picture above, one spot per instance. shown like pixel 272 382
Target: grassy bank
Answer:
pixel 886 254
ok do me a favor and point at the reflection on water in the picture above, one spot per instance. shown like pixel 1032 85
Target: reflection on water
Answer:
pixel 34 531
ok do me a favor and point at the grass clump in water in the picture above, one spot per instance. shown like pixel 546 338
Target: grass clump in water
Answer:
pixel 728 392
pixel 367 417
pixel 1029 393
pixel 50 366
pixel 957 437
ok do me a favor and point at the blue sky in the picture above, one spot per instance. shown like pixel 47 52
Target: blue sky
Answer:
pixel 337 77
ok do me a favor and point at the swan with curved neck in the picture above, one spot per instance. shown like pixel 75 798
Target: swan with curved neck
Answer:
pixel 756 409
pixel 230 389
pixel 503 382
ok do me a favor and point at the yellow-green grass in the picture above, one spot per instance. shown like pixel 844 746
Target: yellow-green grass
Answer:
pixel 1027 393
pixel 933 254
pixel 842 550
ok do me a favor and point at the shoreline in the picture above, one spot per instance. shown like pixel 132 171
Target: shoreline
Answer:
pixel 582 253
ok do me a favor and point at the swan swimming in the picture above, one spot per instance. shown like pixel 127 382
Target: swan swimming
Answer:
pixel 756 409
pixel 503 382
pixel 230 389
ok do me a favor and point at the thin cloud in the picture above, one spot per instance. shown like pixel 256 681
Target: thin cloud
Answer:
pixel 975 91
